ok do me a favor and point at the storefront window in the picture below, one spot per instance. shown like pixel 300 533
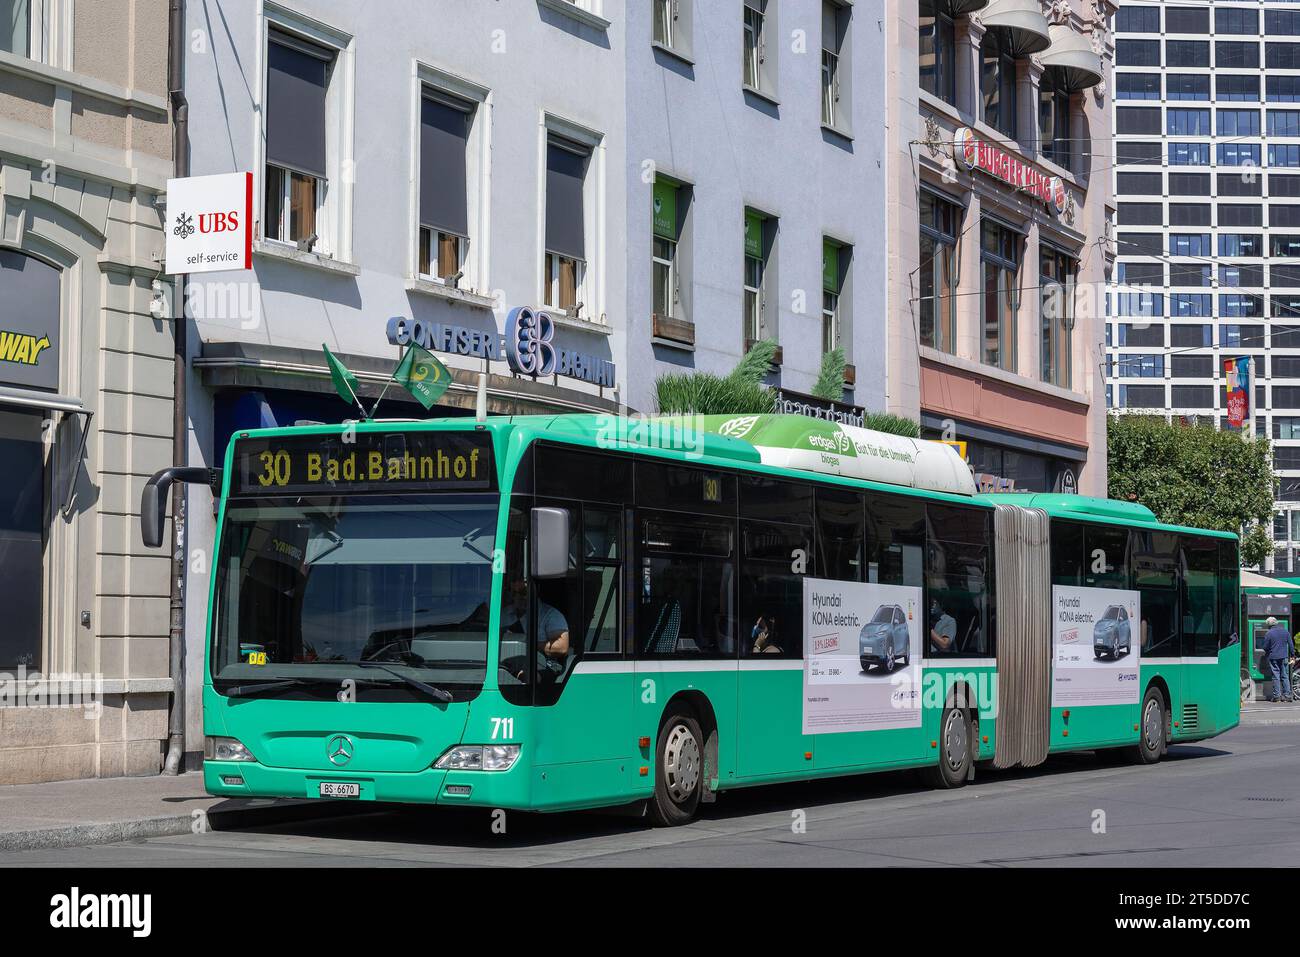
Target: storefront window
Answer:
pixel 937 302
pixel 22 536
pixel 938 50
pixel 1000 262
pixel 1056 312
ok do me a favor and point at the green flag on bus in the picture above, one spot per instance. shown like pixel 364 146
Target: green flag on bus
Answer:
pixel 345 383
pixel 421 374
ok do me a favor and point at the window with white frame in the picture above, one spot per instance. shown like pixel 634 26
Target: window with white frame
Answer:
pixel 835 24
pixel 756 253
pixel 564 267
pixel 296 181
pixel 37 29
pixel 753 40
pixel 444 236
pixel 663 256
pixel 833 263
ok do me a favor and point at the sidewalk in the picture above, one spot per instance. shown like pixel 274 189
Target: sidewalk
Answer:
pixel 1264 712
pixel 104 810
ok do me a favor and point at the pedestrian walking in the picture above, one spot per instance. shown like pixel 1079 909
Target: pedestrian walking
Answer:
pixel 1277 649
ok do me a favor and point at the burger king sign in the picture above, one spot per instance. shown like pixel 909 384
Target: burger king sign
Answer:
pixel 975 153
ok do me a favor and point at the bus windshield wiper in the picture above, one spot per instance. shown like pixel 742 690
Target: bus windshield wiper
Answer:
pixel 258 687
pixel 437 694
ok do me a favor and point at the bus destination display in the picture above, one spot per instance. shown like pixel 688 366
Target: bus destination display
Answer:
pixel 365 462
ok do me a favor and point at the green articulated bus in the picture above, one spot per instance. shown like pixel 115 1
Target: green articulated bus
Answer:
pixel 561 612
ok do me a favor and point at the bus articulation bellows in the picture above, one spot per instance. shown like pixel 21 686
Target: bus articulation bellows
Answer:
pixel 564 612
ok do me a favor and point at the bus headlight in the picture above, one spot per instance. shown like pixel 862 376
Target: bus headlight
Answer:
pixel 225 749
pixel 478 757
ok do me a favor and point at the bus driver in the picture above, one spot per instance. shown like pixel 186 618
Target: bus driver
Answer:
pixel 552 633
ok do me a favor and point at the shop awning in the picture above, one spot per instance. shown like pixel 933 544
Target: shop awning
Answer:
pixel 959 7
pixel 1071 53
pixel 1263 583
pixel 53 402
pixel 1023 20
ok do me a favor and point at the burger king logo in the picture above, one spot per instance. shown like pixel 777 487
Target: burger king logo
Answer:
pixel 965 147
pixel 1060 197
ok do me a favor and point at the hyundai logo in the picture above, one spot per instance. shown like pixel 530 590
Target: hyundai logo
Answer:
pixel 339 750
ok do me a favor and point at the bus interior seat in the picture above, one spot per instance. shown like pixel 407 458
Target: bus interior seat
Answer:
pixel 668 626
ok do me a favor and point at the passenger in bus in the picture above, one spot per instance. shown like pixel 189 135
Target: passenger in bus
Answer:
pixel 943 629
pixel 764 636
pixel 551 634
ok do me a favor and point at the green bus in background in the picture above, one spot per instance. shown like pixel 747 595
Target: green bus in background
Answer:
pixel 563 612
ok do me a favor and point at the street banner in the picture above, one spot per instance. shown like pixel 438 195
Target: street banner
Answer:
pixel 209 223
pixel 421 374
pixel 1096 646
pixel 1237 373
pixel 862 656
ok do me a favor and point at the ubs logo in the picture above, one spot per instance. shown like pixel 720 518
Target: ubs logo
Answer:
pixel 222 222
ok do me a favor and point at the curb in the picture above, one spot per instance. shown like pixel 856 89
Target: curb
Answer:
pixel 220 817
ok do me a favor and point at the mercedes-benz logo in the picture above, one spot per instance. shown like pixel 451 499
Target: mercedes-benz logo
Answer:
pixel 339 750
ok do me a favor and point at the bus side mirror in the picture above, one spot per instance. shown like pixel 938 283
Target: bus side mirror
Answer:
pixel 550 542
pixel 153 500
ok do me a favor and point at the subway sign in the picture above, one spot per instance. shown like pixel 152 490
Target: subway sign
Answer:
pixel 994 161
pixel 355 462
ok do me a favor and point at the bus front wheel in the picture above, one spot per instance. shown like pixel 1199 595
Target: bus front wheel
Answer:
pixel 679 771
pixel 956 735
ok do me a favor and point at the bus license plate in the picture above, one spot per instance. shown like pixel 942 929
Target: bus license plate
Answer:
pixel 331 789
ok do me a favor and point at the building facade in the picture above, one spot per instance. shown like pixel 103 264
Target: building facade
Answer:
pixel 998 211
pixel 86 386
pixel 1207 184
pixel 669 180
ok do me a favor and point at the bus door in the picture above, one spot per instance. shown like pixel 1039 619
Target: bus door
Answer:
pixel 581 715
pixel 685 626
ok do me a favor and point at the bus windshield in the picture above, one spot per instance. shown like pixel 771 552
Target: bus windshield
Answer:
pixel 308 588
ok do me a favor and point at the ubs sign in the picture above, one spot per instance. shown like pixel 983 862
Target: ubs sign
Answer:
pixel 528 346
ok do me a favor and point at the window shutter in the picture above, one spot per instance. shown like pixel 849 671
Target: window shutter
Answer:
pixel 444 130
pixel 295 104
pixel 566 167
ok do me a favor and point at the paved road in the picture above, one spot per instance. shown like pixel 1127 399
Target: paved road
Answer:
pixel 1233 801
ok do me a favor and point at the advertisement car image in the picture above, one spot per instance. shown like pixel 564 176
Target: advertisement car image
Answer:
pixel 1112 635
pixel 884 639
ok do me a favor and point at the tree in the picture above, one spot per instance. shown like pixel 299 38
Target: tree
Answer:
pixel 1195 475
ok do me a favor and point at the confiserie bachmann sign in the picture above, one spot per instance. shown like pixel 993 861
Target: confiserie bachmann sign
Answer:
pixel 979 154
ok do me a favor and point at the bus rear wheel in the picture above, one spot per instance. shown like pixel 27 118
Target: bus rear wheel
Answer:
pixel 956 735
pixel 679 771
pixel 1151 744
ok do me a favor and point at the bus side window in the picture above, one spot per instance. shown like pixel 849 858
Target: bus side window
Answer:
pixel 1067 553
pixel 1199 567
pixel 1229 594
pixel 771 590
pixel 841 534
pixel 1153 557
pixel 685 592
pixel 895 539
pixel 957 580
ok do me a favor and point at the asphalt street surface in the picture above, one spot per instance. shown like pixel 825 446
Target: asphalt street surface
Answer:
pixel 1230 801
